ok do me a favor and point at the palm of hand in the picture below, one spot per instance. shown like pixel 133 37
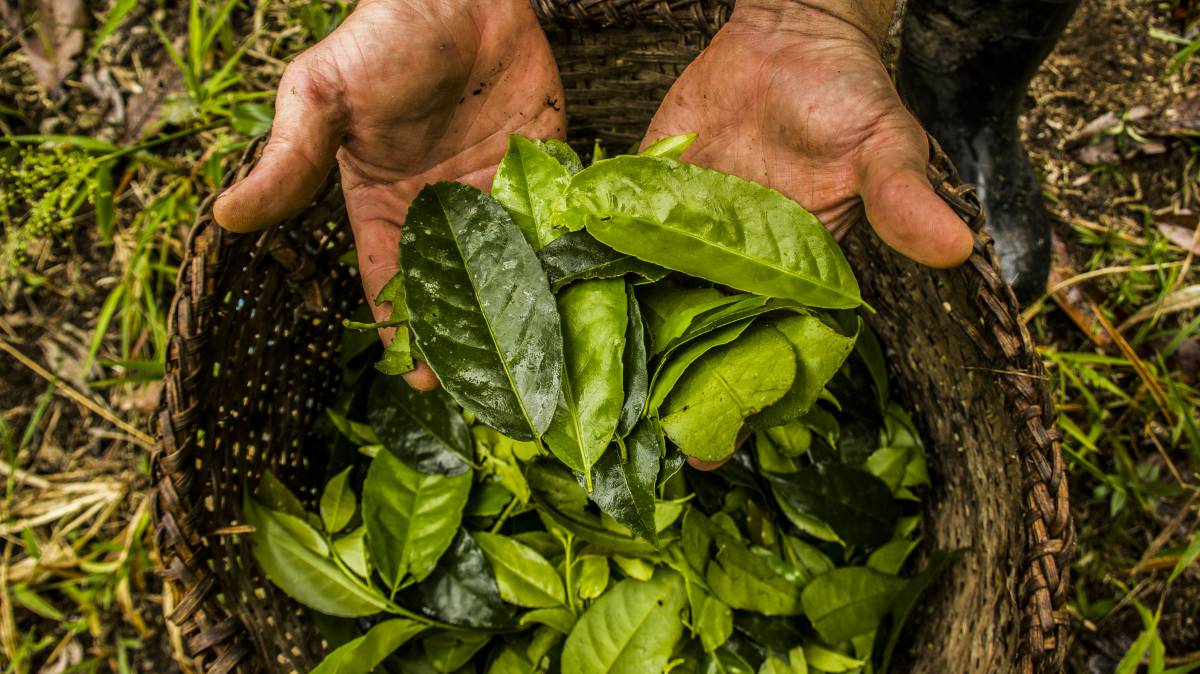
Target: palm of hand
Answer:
pixel 819 120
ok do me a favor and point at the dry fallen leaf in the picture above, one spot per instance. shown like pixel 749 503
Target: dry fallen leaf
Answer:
pixel 51 36
pixel 1183 237
pixel 1179 300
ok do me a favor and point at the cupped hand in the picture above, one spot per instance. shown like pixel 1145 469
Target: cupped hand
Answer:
pixel 404 93
pixel 798 99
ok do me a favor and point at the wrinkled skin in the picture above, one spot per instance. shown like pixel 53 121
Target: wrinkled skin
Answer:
pixel 800 101
pixel 404 93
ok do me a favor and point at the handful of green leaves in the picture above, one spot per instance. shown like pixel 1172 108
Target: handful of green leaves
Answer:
pixel 591 328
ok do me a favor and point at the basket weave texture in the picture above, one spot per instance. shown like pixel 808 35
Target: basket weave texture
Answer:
pixel 254 330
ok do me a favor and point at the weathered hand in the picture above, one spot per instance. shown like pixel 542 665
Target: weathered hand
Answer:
pixel 404 93
pixel 794 95
pixel 797 98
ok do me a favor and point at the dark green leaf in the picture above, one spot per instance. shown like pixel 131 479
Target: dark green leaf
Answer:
pixel 633 368
pixel 625 489
pixel 425 430
pixel 594 316
pixel 578 256
pixel 718 227
pixel 712 400
pixel 528 183
pixel 275 495
pixel 451 649
pixel 524 577
pixel 857 505
pixel 283 546
pixel 631 628
pixel 848 601
pixel 337 503
pixel 411 517
pixel 363 654
pixel 481 309
pixel 462 590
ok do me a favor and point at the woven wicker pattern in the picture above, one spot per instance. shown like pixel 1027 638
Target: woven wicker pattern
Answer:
pixel 253 338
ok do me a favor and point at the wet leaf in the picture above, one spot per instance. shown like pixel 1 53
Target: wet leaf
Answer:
pixel 624 489
pixel 462 590
pixel 578 256
pixel 528 182
pixel 425 430
pixel 857 505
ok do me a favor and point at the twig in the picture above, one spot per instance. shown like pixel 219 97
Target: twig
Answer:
pixel 140 436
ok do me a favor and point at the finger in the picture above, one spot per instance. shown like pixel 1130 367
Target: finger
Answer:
pixel 908 215
pixel 304 139
pixel 700 464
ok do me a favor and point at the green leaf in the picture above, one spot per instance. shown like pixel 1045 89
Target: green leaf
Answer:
pixel 452 649
pixel 524 577
pixel 712 400
pixel 668 374
pixel 563 153
pixel 750 580
pixel 820 351
pixel 397 358
pixel 631 629
pixel 511 661
pixel 363 654
pixel 625 489
pixel 352 550
pixel 715 623
pixel 425 430
pixel 718 227
pixel 558 619
pixel 1189 555
pixel 848 601
pixel 857 505
pixel 529 182
pixel 578 256
pixel 670 310
pixel 282 546
pixel 411 517
pixel 462 590
pixel 337 503
pixel 826 660
pixel 890 557
pixel 592 577
pixel 594 317
pixel 481 309
pixel 275 495
pixel 252 119
pixel 633 368
pixel 670 147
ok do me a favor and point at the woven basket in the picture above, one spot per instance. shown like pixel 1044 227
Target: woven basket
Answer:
pixel 253 338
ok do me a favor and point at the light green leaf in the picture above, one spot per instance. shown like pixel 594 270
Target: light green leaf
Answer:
pixel 524 577
pixel 451 649
pixel 712 400
pixel 592 576
pixel 511 661
pixel 352 550
pixel 827 660
pixel 1185 560
pixel 888 464
pixel 594 320
pixel 715 624
pixel 411 517
pixel 559 619
pixel 481 309
pixel 529 181
pixel 668 374
pixel 748 580
pixel 671 309
pixel 820 351
pixel 848 601
pixel 363 654
pixel 311 578
pixel 631 629
pixel 337 503
pixel 670 147
pixel 718 227
pixel 890 557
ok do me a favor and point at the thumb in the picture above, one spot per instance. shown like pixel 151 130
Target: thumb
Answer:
pixel 304 140
pixel 907 214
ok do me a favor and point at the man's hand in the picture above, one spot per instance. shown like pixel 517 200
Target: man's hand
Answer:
pixel 404 93
pixel 794 95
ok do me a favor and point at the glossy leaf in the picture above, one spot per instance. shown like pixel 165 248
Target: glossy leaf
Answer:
pixel 848 601
pixel 311 578
pixel 631 629
pixel 352 550
pixel 854 503
pixel 633 368
pixel 523 576
pixel 337 503
pixel 462 590
pixel 425 430
pixel 450 650
pixel 594 317
pixel 624 489
pixel 563 153
pixel 578 256
pixel 709 405
pixel 363 654
pixel 718 227
pixel 528 182
pixel 411 517
pixel 820 351
pixel 481 309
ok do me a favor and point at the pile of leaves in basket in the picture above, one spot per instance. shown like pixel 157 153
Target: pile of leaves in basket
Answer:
pixel 591 328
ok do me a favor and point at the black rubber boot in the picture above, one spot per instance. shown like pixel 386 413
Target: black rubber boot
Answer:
pixel 964 69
